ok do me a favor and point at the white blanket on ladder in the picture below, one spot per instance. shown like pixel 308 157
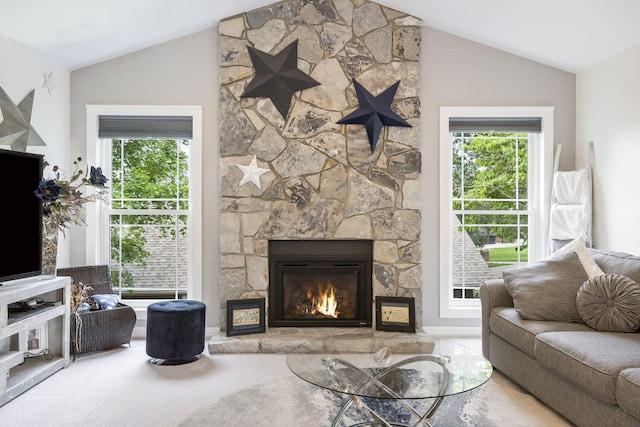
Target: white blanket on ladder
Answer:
pixel 571 210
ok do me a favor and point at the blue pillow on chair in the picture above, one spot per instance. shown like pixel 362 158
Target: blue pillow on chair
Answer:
pixel 106 301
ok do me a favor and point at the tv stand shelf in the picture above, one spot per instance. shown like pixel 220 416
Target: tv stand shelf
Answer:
pixel 15 316
pixel 21 368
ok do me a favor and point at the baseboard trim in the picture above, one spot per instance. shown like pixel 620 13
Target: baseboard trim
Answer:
pixel 139 332
pixel 453 331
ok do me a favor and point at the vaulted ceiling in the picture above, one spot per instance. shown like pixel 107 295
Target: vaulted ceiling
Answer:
pixel 572 35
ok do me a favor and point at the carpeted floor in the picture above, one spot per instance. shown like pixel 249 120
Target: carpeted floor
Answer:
pixel 120 387
pixel 291 402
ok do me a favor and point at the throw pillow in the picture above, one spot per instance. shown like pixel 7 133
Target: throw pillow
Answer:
pixel 579 246
pixel 546 290
pixel 106 301
pixel 610 303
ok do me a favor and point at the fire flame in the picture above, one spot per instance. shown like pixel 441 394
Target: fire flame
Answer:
pixel 325 302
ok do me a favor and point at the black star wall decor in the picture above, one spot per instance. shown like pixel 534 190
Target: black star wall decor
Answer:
pixel 15 128
pixel 277 77
pixel 374 112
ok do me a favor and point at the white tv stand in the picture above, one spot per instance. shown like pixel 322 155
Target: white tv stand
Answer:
pixel 21 369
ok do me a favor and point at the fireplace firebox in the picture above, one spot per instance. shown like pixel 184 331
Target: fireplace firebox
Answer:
pixel 320 283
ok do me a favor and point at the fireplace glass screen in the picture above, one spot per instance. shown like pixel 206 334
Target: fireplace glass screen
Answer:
pixel 320 295
pixel 320 283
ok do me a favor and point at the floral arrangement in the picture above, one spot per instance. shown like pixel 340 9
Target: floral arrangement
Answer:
pixel 62 198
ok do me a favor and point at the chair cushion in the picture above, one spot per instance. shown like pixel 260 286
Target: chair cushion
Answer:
pixel 610 303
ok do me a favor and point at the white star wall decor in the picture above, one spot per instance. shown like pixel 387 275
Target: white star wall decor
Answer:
pixel 48 82
pixel 252 173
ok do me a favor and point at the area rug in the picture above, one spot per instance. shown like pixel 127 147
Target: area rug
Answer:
pixel 292 402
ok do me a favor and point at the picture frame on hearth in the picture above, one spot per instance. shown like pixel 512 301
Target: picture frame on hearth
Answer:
pixel 245 316
pixel 396 314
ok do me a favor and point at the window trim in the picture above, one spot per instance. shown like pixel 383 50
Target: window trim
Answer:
pixel 540 176
pixel 95 252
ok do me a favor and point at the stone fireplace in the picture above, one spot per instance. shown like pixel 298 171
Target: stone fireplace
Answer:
pixel 314 283
pixel 317 180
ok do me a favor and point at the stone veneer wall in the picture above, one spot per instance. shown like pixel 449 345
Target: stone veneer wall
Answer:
pixel 324 182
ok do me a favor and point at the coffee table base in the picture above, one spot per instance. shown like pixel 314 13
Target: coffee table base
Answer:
pixel 379 420
pixel 422 421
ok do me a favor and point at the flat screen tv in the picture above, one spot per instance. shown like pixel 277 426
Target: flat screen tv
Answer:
pixel 21 212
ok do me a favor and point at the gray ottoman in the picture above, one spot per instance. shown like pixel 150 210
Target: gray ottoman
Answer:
pixel 175 331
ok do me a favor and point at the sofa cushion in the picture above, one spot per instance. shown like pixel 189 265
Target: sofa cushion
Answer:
pixel 628 391
pixel 591 359
pixel 507 324
pixel 547 289
pixel 610 303
pixel 618 263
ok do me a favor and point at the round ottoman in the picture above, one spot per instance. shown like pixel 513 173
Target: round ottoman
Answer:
pixel 175 331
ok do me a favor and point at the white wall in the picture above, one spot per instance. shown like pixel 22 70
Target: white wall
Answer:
pixel 608 113
pixel 21 71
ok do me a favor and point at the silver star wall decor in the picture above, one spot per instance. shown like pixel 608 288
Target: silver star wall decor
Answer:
pixel 252 173
pixel 15 128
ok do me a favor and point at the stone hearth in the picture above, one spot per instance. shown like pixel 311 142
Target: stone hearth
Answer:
pixel 284 340
pixel 322 180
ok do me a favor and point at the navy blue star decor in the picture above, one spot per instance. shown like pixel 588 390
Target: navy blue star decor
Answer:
pixel 277 77
pixel 374 112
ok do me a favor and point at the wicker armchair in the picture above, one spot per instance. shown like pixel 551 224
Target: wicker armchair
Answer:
pixel 98 329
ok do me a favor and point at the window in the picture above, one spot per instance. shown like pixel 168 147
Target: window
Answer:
pixel 148 217
pixel 495 166
pixel 150 233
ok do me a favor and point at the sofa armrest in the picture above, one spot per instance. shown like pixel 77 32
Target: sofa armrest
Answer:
pixel 493 293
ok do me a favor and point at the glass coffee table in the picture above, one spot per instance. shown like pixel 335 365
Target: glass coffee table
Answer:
pixel 368 367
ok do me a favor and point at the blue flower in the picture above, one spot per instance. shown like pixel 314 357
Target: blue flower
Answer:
pixel 48 191
pixel 62 200
pixel 97 178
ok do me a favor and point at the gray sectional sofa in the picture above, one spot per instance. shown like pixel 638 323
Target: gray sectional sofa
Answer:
pixel 589 376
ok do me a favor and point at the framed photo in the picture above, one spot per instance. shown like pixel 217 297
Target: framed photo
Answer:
pixel 34 340
pixel 245 316
pixel 396 314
